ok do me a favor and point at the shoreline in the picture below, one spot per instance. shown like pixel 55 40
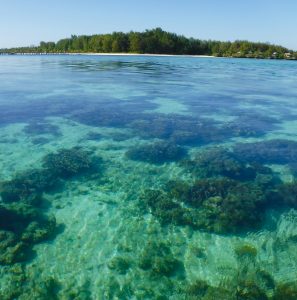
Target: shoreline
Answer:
pixel 140 54
pixel 113 54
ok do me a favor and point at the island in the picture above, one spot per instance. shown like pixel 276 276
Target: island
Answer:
pixel 156 41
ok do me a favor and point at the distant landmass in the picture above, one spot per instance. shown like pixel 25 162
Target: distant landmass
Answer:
pixel 156 41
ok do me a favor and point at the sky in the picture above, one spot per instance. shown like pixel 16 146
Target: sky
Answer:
pixel 25 23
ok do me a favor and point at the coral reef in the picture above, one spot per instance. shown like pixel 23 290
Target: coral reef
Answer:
pixel 241 209
pixel 286 291
pixel 232 197
pixel 250 125
pixel 120 264
pixel 115 289
pixel 201 190
pixel 285 194
pixel 180 129
pixel 23 221
pixel 249 290
pixel 190 130
pixel 157 153
pixel 218 161
pixel 47 288
pixel 164 208
pixel 67 163
pixel 112 113
pixel 183 130
pixel 278 151
pixel 27 186
pixel 21 227
pixel 246 250
pixel 197 289
pixel 158 259
pixel 201 289
pixel 217 205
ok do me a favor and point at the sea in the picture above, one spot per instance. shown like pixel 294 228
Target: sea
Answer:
pixel 147 177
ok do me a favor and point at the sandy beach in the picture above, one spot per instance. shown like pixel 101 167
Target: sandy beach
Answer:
pixel 138 54
pixel 119 54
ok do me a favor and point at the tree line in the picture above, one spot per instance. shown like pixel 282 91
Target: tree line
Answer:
pixel 156 41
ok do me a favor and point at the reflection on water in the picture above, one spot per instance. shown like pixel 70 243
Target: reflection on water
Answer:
pixel 147 178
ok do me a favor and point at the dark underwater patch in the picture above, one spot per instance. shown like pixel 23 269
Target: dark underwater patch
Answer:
pixel 23 218
pixel 66 163
pixel 203 105
pixel 183 130
pixel 21 227
pixel 214 205
pixel 35 111
pixel 112 113
pixel 40 128
pixel 28 186
pixel 277 151
pixel 250 125
pixel 158 259
pixel 218 161
pixel 157 153
pixel 231 196
pixel 40 141
pixel 286 194
pixel 93 136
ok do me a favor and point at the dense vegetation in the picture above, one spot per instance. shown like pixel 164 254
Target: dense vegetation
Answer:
pixel 156 41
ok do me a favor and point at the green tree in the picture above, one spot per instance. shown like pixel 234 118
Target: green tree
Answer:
pixel 107 43
pixel 156 41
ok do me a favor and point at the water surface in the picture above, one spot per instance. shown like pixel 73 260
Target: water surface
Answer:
pixel 147 178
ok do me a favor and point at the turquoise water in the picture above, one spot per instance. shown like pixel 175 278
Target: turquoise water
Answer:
pixel 147 178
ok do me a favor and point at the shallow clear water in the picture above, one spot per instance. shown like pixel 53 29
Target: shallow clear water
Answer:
pixel 168 178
